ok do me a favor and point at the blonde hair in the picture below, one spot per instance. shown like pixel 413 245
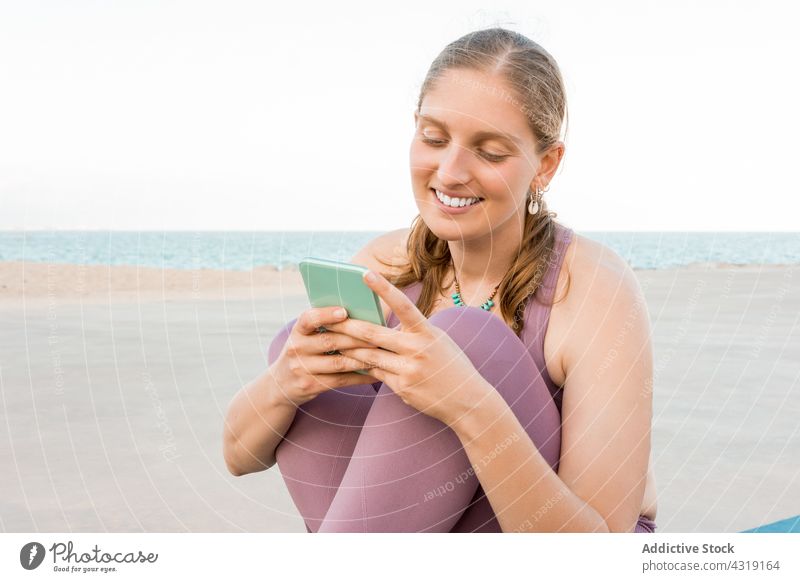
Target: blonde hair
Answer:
pixel 536 82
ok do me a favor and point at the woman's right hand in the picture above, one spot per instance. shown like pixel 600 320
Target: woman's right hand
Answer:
pixel 305 367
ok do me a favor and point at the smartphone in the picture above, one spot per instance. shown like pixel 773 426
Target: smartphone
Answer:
pixel 331 282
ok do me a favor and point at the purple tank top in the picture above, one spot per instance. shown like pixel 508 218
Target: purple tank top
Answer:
pixel 537 312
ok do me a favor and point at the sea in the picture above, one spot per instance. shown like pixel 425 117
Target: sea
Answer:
pixel 245 250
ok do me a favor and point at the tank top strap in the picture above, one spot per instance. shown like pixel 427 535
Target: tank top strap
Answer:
pixel 538 307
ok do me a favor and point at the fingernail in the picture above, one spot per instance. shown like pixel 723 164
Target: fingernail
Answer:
pixel 340 313
pixel 370 276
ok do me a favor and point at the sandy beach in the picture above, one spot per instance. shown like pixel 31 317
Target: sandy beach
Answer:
pixel 115 382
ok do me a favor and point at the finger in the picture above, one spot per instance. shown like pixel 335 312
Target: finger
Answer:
pixel 410 317
pixel 384 376
pixel 375 358
pixel 376 375
pixel 330 341
pixel 374 335
pixel 312 319
pixel 345 379
pixel 332 364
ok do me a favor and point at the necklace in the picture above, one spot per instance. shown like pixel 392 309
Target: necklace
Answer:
pixel 487 305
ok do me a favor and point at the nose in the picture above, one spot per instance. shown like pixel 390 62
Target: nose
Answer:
pixel 454 165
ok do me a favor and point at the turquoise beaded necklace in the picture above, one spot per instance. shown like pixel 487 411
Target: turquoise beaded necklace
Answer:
pixel 487 305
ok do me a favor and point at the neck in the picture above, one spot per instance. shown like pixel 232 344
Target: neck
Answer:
pixel 482 263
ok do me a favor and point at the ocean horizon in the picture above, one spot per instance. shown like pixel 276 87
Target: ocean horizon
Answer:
pixel 246 250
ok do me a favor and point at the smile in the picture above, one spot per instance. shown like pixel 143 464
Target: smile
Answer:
pixel 455 205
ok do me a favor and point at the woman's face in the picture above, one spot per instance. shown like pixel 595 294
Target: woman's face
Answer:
pixel 472 140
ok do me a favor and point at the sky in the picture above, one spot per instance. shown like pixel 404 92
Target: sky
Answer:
pixel 233 115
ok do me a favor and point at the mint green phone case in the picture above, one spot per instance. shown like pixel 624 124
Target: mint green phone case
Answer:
pixel 331 282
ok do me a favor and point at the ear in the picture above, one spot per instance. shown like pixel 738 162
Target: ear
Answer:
pixel 548 165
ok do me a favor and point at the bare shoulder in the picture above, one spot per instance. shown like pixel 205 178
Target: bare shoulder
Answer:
pixel 591 271
pixel 596 289
pixel 385 252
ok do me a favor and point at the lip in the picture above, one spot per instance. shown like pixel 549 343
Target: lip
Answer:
pixel 450 209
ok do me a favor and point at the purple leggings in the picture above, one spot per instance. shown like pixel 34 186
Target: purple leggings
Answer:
pixel 358 459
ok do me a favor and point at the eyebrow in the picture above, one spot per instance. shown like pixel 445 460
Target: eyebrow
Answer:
pixel 481 135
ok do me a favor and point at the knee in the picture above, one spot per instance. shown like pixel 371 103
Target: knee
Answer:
pixel 485 338
pixel 469 320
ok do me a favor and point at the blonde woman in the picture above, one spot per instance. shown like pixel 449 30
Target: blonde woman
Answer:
pixel 512 387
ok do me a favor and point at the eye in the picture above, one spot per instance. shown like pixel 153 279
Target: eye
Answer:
pixel 493 157
pixel 486 155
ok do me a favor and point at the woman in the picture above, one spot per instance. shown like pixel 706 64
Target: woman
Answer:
pixel 531 412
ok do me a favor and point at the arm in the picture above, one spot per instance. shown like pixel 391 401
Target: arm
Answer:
pixel 258 417
pixel 524 492
pixel 606 414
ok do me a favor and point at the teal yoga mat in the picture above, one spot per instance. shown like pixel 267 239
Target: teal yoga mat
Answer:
pixel 790 525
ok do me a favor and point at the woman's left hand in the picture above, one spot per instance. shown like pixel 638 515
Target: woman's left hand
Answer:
pixel 423 365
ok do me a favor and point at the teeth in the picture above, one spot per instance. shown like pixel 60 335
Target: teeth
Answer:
pixel 455 202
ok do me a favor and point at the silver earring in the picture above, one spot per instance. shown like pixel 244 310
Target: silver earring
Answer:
pixel 533 206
